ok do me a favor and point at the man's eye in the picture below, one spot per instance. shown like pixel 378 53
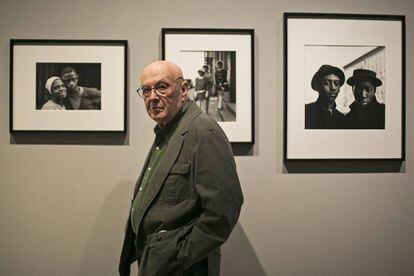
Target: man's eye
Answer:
pixel 161 87
pixel 146 90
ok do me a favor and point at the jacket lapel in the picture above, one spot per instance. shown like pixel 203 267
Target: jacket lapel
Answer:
pixel 175 144
pixel 168 159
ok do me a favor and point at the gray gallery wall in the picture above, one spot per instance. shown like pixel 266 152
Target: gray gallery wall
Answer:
pixel 63 203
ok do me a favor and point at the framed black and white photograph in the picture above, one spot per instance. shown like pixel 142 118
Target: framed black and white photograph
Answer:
pixel 218 65
pixel 344 87
pixel 68 85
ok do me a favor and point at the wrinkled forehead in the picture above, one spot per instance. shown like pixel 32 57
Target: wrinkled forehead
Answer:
pixel 151 78
pixel 160 71
pixel 69 76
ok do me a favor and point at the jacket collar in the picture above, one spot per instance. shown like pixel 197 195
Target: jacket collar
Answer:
pixel 174 121
pixel 191 113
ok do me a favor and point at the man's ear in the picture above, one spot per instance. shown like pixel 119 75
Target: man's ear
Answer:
pixel 184 89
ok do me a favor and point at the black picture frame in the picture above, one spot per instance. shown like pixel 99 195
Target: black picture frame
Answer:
pixel 101 67
pixel 355 34
pixel 184 46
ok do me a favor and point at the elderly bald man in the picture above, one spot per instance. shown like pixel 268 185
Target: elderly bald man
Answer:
pixel 188 196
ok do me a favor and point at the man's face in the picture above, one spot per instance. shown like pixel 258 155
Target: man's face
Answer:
pixel 58 89
pixel 364 92
pixel 71 81
pixel 329 87
pixel 163 108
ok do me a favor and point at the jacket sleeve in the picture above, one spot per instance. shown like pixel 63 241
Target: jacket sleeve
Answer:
pixel 216 181
pixel 128 255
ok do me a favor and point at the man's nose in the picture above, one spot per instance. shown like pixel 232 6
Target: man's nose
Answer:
pixel 153 95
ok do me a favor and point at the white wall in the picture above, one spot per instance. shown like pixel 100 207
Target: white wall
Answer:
pixel 63 205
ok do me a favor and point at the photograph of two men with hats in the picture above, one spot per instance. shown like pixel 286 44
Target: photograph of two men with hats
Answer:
pixel 349 91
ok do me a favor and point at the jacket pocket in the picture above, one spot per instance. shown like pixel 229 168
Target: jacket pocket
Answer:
pixel 175 186
pixel 160 254
pixel 180 168
pixel 155 260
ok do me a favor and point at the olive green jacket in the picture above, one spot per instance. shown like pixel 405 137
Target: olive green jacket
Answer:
pixel 192 203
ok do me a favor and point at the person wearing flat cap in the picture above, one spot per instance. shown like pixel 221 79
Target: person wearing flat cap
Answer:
pixel 57 91
pixel 366 112
pixel 201 85
pixel 323 114
pixel 209 78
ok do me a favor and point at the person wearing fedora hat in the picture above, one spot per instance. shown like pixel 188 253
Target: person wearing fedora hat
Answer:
pixel 323 114
pixel 366 112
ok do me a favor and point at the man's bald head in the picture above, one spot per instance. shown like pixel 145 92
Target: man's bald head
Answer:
pixel 162 108
pixel 168 68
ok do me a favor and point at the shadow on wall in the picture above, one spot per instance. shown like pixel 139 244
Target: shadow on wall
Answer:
pixel 344 166
pixel 242 149
pixel 103 247
pixel 238 256
pixel 69 138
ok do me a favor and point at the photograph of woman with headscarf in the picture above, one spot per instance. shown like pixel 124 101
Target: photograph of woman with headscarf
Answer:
pixel 86 96
pixel 57 93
